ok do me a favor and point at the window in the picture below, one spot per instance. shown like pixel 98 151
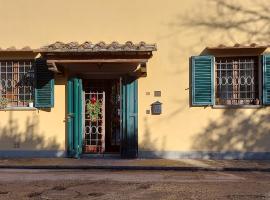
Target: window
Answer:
pixel 236 81
pixel 17 82
pixel 230 81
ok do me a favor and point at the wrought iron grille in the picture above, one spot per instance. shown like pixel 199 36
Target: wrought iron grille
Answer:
pixel 115 114
pixel 236 81
pixel 94 133
pixel 17 82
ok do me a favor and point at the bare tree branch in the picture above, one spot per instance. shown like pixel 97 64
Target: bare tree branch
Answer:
pixel 233 18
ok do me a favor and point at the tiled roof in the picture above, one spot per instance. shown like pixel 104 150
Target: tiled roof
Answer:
pixel 98 47
pixel 238 46
pixel 112 47
pixel 14 49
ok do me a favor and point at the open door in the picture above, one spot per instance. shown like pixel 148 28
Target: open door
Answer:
pixel 74 117
pixel 129 117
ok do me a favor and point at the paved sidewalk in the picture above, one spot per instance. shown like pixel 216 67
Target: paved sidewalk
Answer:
pixel 136 164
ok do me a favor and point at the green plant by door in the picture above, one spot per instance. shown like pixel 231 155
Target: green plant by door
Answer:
pixel 93 108
pixel 3 102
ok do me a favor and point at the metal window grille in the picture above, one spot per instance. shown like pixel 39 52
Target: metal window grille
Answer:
pixel 236 81
pixel 17 82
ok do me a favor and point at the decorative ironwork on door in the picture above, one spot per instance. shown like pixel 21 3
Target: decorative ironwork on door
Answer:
pixel 115 114
pixel 94 133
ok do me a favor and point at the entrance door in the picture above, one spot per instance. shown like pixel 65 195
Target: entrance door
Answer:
pixel 102 116
pixel 114 128
pixel 94 127
pixel 129 125
pixel 74 117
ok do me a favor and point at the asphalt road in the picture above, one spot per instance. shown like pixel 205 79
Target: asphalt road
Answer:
pixel 70 184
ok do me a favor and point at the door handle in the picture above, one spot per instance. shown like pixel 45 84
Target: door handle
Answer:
pixel 70 115
pixel 132 114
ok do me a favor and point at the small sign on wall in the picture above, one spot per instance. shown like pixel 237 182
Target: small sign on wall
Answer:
pixel 157 93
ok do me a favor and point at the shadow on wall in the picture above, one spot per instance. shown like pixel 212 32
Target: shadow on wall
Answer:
pixel 238 22
pixel 236 131
pixel 149 145
pixel 232 20
pixel 29 139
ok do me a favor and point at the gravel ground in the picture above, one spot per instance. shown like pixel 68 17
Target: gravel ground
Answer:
pixel 44 184
pixel 262 164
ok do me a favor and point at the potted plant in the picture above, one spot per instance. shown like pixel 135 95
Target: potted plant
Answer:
pixel 30 103
pixel 3 102
pixel 256 101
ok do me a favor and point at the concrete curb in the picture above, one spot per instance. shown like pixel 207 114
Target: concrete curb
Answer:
pixel 120 168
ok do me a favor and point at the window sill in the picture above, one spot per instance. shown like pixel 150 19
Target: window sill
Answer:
pixel 237 106
pixel 18 109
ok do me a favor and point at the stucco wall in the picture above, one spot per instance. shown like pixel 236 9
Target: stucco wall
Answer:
pixel 35 129
pixel 180 127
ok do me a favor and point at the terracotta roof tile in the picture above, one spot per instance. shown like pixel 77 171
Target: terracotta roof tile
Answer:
pixel 237 45
pixel 14 49
pixel 101 46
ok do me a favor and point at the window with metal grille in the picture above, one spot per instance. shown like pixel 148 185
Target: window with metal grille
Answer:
pixel 17 82
pixel 237 81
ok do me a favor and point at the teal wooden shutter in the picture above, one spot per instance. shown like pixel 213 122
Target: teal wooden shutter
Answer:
pixel 70 117
pixel 266 79
pixel 80 117
pixel 129 137
pixel 202 80
pixel 44 85
pixel 74 119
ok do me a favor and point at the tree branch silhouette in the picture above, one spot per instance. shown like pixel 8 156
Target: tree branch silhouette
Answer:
pixel 232 18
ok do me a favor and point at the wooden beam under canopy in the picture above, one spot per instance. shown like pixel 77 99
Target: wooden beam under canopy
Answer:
pixel 100 61
pixel 55 65
pixel 52 67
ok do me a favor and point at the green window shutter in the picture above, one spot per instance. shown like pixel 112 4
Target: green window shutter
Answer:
pixel 129 118
pixel 44 85
pixel 266 79
pixel 70 117
pixel 202 80
pixel 74 118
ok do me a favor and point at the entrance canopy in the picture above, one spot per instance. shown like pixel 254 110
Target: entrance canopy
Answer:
pixel 98 59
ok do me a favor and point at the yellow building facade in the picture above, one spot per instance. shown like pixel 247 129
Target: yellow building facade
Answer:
pixel 175 33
